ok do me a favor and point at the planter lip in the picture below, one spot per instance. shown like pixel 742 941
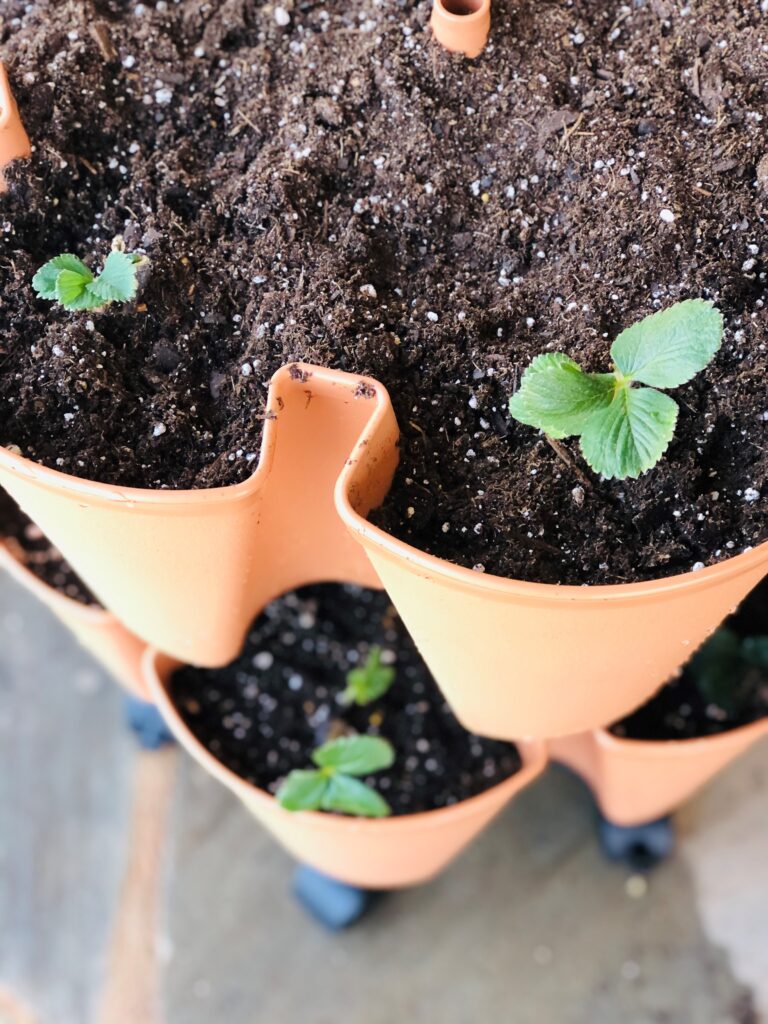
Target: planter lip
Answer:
pixel 533 754
pixel 95 615
pixel 464 19
pixel 693 745
pixel 7 102
pixel 463 578
pixel 161 497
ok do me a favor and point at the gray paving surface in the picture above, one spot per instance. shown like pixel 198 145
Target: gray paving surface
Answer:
pixel 134 890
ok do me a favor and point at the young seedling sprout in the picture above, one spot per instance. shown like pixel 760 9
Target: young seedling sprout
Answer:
pixel 724 667
pixel 369 681
pixel 333 785
pixel 623 430
pixel 66 279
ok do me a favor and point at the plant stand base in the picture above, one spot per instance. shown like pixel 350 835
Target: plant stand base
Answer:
pixel 640 847
pixel 146 723
pixel 332 903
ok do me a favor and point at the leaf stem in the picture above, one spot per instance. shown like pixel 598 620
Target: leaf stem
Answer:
pixel 563 455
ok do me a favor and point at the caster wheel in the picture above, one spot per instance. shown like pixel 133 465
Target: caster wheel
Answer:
pixel 332 903
pixel 640 847
pixel 147 724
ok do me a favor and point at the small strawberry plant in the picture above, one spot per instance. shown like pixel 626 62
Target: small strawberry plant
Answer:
pixel 334 784
pixel 726 668
pixel 369 681
pixel 67 280
pixel 623 430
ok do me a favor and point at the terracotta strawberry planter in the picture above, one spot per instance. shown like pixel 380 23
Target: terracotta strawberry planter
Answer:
pixel 14 144
pixel 530 659
pixel 636 781
pixel 118 650
pixel 189 570
pixel 462 26
pixel 373 854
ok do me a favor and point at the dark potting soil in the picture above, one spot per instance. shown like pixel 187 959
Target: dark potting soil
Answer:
pixel 324 182
pixel 263 714
pixel 679 711
pixel 30 545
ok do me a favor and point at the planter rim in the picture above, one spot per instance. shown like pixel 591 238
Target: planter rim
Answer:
pixel 93 614
pixel 652 748
pixel 462 578
pixel 162 497
pixel 7 102
pixel 533 754
pixel 464 19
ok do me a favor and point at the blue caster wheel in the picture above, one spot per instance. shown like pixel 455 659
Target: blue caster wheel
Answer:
pixel 640 847
pixel 147 724
pixel 334 904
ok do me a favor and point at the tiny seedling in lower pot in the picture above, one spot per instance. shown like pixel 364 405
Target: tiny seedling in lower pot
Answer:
pixel 722 687
pixel 334 784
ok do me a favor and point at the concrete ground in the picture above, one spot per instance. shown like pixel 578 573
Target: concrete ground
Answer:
pixel 135 890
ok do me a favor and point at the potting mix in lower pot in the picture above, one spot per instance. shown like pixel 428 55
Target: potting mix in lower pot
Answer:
pixel 326 664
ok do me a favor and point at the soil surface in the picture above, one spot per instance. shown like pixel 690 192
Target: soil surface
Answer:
pixel 33 549
pixel 679 711
pixel 263 714
pixel 324 182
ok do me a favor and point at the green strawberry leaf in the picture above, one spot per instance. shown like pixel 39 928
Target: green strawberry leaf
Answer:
pixel 44 281
pixel 755 651
pixel 718 668
pixel 302 791
pixel 117 282
pixel 351 796
pixel 631 434
pixel 666 349
pixel 355 755
pixel 556 396
pixel 370 681
pixel 70 289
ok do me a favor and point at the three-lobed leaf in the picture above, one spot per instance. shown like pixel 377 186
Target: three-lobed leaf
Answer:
pixel 668 348
pixel 556 396
pixel 370 681
pixel 624 430
pixel 355 755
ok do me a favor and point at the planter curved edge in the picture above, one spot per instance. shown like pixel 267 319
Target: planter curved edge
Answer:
pixel 97 630
pixel 636 781
pixel 461 26
pixel 534 659
pixel 188 570
pixel 373 854
pixel 14 143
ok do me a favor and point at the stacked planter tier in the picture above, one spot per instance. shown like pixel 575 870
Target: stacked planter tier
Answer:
pixel 186 572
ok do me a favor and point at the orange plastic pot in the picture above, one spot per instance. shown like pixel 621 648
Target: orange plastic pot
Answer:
pixel 529 659
pixel 14 143
pixel 374 854
pixel 636 781
pixel 115 647
pixel 188 570
pixel 461 26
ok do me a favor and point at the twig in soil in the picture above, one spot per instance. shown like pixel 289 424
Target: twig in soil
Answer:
pixel 563 455
pixel 99 31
